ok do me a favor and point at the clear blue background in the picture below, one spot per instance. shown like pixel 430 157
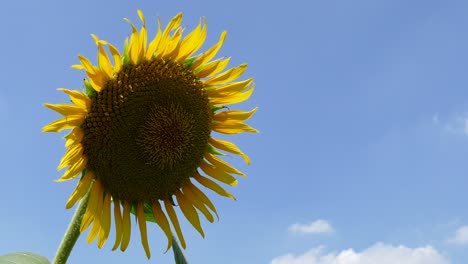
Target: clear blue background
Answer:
pixel 362 118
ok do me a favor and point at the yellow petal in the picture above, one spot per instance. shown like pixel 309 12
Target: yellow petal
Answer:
pixel 229 147
pixel 98 80
pixel 190 213
pixel 143 35
pixel 222 165
pixel 202 197
pixel 165 38
pixel 227 76
pixel 126 226
pixel 78 66
pixel 81 189
pixel 212 186
pixel 234 115
pixel 118 224
pixel 103 60
pixel 116 56
pixel 88 66
pixel 154 43
pixel 105 221
pixel 70 121
pixel 78 98
pixel 213 68
pixel 232 127
pixel 161 220
pixel 134 46
pixel 193 41
pixel 175 222
pixel 218 174
pixel 231 88
pixel 210 53
pixel 234 98
pixel 66 109
pixel 74 169
pixel 173 44
pixel 91 207
pixel 142 224
pixel 74 137
pixel 71 156
pixel 197 203
pixel 97 215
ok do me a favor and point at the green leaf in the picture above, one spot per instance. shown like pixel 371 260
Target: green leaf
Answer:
pixel 23 258
pixel 148 212
pixel 178 255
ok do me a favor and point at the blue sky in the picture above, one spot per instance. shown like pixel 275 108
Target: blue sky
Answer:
pixel 363 113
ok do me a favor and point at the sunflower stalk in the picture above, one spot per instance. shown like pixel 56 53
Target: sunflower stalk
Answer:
pixel 178 254
pixel 73 232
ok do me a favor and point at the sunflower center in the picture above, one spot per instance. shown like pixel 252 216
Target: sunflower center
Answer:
pixel 147 130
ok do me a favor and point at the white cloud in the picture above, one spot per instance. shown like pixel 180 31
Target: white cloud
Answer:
pixel 317 227
pixel 377 254
pixel 456 124
pixel 460 237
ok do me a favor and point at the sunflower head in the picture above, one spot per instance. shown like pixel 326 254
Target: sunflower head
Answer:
pixel 141 133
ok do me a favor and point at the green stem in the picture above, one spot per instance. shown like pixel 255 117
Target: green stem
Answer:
pixel 72 233
pixel 178 254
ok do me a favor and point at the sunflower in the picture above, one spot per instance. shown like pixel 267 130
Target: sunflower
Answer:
pixel 141 132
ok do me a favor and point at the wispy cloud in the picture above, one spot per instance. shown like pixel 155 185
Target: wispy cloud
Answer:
pixel 456 124
pixel 460 237
pixel 379 253
pixel 316 227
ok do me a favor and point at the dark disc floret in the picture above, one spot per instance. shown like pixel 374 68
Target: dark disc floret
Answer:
pixel 147 130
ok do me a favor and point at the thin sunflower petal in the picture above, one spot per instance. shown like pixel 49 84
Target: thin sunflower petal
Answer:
pixel 222 165
pixel 118 224
pixel 97 215
pixel 81 189
pixel 88 66
pixel 92 205
pixel 232 127
pixel 193 41
pixel 105 221
pixel 134 45
pixel 213 68
pixel 231 88
pixel 234 115
pixel 202 197
pixel 70 121
pixel 103 60
pixel 175 222
pixel 77 97
pixel 229 147
pixel 165 38
pixel 75 169
pixel 67 109
pixel 173 44
pixel 161 220
pixel 71 156
pixel 197 203
pixel 74 137
pixel 233 99
pixel 142 224
pixel 190 213
pixel 213 186
pixel 218 174
pixel 126 226
pixel 154 43
pixel 116 56
pixel 210 53
pixel 143 35
pixel 227 76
